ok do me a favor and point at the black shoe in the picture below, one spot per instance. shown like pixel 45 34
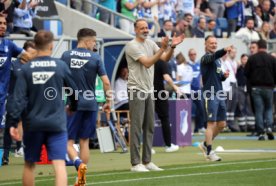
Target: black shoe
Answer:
pixel 261 137
pixel 243 128
pixel 269 134
pixel 234 128
pixel 5 162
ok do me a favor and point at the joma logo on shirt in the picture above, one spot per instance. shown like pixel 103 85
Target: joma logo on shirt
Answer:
pixel 2 61
pixel 78 63
pixel 41 77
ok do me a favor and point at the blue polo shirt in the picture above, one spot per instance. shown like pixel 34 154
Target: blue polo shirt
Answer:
pixel 195 85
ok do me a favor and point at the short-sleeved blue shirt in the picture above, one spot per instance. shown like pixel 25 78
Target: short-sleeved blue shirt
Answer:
pixel 85 65
pixel 7 50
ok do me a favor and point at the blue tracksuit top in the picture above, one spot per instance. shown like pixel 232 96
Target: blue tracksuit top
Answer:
pixel 85 65
pixel 211 71
pixel 7 50
pixel 40 83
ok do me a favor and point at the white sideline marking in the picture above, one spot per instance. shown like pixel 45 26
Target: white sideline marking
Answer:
pixel 181 175
pixel 245 151
pixel 177 168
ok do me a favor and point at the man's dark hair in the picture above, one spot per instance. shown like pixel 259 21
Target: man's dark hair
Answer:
pixel 187 14
pixel 209 36
pixel 137 21
pixel 210 20
pixel 42 39
pixel 262 44
pixel 254 42
pixel 249 19
pixel 85 32
pixel 243 55
pixel 28 44
pixel 167 20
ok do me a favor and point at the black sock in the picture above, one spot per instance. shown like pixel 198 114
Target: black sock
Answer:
pixel 205 144
pixel 18 145
pixel 209 148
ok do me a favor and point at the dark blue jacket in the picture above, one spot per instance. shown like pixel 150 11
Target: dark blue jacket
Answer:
pixel 41 83
pixel 211 71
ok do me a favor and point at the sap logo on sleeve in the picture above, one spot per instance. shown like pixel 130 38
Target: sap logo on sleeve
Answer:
pixel 78 63
pixel 41 77
pixel 2 61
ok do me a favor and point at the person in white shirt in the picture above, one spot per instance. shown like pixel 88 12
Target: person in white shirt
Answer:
pixel 120 87
pixel 230 86
pixel 248 33
pixel 184 74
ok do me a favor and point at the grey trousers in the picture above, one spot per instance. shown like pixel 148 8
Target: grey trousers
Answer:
pixel 141 106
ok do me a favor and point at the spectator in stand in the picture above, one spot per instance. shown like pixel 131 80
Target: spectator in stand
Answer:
pixel 150 8
pixel 185 7
pixel 185 74
pixel 272 34
pixel 249 7
pixel 188 30
pixel 167 11
pixel 258 17
pixel 253 48
pixel 260 71
pixel 104 15
pixel 23 17
pixel 127 9
pixel 199 30
pixel 217 7
pixel 203 9
pixel 6 10
pixel 167 29
pixel 246 119
pixel 83 5
pixel 248 34
pixel 264 31
pixel 211 27
pixel 196 87
pixel 181 27
pixel 266 11
pixel 234 15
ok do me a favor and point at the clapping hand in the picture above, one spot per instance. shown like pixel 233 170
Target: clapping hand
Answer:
pixel 177 40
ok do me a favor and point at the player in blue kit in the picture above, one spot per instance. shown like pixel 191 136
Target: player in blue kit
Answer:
pixel 15 68
pixel 7 50
pixel 39 86
pixel 215 107
pixel 85 65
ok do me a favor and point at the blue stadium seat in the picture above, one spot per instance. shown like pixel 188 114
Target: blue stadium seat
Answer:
pixel 54 26
pixel 222 23
pixel 62 1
